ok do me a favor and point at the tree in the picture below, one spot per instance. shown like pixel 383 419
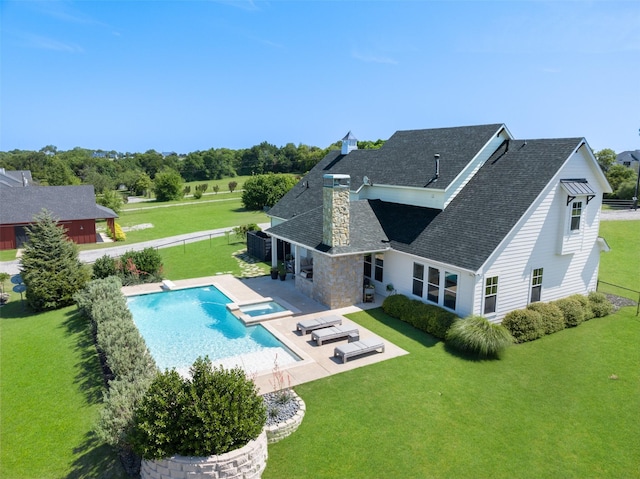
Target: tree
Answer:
pixel 50 266
pixel 618 174
pixel 606 158
pixel 232 186
pixel 167 185
pixel 141 185
pixel 266 190
pixel 111 199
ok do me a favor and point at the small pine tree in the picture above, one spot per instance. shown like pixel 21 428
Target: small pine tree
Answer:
pixel 50 266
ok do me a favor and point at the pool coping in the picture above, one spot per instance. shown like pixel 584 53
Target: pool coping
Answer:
pixel 316 361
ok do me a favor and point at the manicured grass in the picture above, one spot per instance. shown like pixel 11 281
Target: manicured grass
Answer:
pixel 621 265
pixel 204 258
pixel 547 409
pixel 184 219
pixel 51 392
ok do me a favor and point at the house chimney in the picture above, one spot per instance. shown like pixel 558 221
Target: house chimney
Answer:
pixel 349 143
pixel 335 210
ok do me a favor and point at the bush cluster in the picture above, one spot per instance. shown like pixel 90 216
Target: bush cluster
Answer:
pixel 476 335
pixel 214 412
pixel 117 234
pixel 133 267
pixel 128 365
pixel 540 319
pixel 426 317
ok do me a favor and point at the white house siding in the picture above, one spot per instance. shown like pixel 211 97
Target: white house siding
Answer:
pixel 470 170
pixel 533 244
pixel 425 197
pixel 398 270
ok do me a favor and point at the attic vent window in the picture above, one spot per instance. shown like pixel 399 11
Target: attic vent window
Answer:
pixel 577 187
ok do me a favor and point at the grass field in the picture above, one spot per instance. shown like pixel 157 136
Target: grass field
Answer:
pixel 549 408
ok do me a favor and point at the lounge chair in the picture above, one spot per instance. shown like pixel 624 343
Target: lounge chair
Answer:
pixel 334 332
pixel 357 348
pixel 310 324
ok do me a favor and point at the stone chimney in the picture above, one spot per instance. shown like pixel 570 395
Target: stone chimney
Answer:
pixel 349 143
pixel 335 210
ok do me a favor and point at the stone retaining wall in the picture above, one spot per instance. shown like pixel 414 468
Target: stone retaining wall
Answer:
pixel 248 462
pixel 281 430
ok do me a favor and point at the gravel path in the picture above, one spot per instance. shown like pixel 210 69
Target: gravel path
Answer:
pixel 620 215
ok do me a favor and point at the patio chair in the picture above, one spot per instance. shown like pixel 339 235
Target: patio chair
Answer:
pixel 334 332
pixel 310 324
pixel 358 348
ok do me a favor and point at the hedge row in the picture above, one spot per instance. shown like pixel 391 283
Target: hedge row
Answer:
pixel 129 367
pixel 540 319
pixel 426 317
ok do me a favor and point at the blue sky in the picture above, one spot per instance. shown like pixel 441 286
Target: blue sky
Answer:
pixel 191 75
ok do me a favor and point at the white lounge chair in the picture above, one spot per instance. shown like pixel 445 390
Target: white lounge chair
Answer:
pixel 334 332
pixel 357 348
pixel 310 324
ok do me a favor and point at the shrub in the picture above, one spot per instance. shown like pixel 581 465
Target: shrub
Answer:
pixel 396 305
pixel 476 335
pixel 197 194
pixel 104 267
pixel 426 317
pixel 140 266
pixel 599 304
pixel 117 234
pixel 524 325
pixel 572 311
pixel 584 304
pixel 214 412
pixel 552 317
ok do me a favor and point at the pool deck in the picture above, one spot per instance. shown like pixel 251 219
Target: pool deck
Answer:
pixel 317 361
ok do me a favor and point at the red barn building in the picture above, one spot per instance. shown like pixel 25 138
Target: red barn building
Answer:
pixel 74 207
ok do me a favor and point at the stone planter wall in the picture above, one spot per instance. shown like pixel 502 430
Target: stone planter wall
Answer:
pixel 281 430
pixel 248 462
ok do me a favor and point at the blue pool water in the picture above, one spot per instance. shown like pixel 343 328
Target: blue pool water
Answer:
pixel 262 309
pixel 178 326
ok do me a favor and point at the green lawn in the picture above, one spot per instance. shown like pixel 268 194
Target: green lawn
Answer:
pixel 546 410
pixel 621 265
pixel 50 392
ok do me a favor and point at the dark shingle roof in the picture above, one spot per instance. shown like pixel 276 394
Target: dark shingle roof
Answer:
pixel 19 205
pixel 472 226
pixel 406 159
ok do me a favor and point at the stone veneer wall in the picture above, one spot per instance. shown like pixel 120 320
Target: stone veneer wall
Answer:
pixel 335 216
pixel 281 430
pixel 338 280
pixel 248 462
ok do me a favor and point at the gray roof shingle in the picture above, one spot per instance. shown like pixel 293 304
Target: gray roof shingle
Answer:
pixel 19 205
pixel 406 159
pixel 464 234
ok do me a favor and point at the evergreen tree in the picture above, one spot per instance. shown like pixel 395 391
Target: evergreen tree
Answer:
pixel 50 266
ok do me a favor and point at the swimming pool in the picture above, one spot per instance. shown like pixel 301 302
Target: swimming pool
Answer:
pixel 180 325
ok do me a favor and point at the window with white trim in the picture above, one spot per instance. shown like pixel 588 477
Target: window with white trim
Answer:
pixel 490 294
pixel 379 266
pixel 450 289
pixel 433 286
pixel 418 279
pixel 536 285
pixel 576 215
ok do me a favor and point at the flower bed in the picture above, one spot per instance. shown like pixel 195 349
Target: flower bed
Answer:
pixel 286 416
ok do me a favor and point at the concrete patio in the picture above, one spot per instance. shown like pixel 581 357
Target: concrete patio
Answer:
pixel 317 361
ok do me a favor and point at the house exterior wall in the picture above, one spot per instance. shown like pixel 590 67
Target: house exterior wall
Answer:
pixel 398 271
pixel 80 232
pixel 337 281
pixel 534 244
pixel 7 237
pixel 427 197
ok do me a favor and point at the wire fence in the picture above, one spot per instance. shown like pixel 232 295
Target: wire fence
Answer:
pixel 631 295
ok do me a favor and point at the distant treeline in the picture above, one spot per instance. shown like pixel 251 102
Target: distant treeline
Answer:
pixel 107 170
